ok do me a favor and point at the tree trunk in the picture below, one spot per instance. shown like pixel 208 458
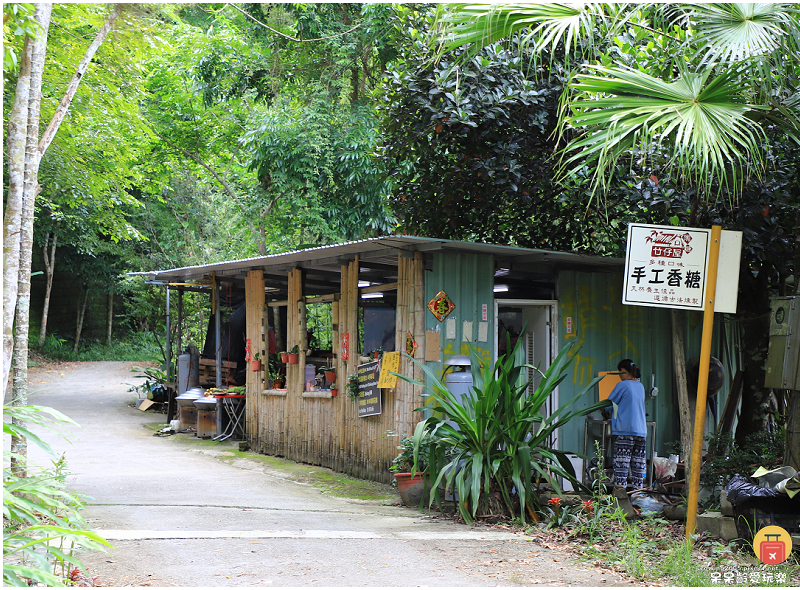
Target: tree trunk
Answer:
pixel 30 190
pixel 50 269
pixel 110 318
pixel 81 314
pixel 12 220
pixel 679 365
pixel 754 310
pixel 72 88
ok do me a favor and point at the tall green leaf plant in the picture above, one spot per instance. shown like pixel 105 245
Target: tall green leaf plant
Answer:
pixel 42 525
pixel 491 445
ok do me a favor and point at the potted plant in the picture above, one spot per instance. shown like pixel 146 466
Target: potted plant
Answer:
pixel 293 355
pixel 334 390
pixel 352 386
pixel 255 364
pixel 412 488
pixel 330 374
pixel 284 357
pixel 277 380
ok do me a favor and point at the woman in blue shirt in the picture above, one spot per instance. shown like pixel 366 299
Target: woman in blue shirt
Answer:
pixel 628 426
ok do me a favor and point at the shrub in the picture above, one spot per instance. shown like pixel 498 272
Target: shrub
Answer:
pixel 42 526
pixel 486 446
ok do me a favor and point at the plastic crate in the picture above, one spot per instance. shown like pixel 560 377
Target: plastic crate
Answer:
pixel 756 513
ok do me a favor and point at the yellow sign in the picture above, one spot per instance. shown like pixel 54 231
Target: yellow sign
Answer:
pixel 390 363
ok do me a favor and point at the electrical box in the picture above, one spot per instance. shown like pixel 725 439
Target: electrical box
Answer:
pixel 783 359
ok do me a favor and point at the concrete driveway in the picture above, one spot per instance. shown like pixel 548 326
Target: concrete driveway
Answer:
pixel 183 514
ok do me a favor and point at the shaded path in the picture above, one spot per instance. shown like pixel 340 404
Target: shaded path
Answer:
pixel 178 516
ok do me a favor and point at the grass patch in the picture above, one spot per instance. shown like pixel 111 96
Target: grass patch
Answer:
pixel 140 347
pixel 325 480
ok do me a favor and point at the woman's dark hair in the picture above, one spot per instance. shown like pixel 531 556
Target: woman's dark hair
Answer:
pixel 629 366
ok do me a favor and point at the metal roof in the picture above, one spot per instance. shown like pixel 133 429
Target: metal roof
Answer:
pixel 382 252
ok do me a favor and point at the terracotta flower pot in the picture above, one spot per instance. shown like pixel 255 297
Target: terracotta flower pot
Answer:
pixel 284 357
pixel 330 375
pixel 255 365
pixel 411 488
pixel 292 358
pixel 334 392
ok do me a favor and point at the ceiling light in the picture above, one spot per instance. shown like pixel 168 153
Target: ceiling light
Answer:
pixel 372 296
pixel 363 284
pixel 501 272
pixel 500 288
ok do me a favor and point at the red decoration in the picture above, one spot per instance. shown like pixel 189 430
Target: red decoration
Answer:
pixel 411 345
pixel 346 346
pixel 441 306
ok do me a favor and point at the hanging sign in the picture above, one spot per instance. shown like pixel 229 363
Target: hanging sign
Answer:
pixel 368 401
pixel 441 305
pixel 390 363
pixel 666 266
pixel 346 346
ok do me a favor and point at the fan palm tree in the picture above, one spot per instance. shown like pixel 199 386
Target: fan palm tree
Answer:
pixel 697 83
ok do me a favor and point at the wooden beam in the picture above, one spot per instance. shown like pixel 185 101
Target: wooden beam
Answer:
pixel 378 288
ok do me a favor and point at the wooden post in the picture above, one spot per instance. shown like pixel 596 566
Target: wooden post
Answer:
pixel 702 382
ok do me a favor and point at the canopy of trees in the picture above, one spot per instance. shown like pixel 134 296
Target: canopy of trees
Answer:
pixel 150 136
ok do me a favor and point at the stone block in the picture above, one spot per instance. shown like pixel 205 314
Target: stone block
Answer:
pixel 725 507
pixel 717 525
pixel 709 523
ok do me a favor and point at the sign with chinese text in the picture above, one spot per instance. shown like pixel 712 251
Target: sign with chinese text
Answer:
pixel 346 346
pixel 368 401
pixel 666 266
pixel 390 363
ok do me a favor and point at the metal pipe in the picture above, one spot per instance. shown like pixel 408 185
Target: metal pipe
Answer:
pixel 169 349
pixel 218 333
pixel 702 382
pixel 180 320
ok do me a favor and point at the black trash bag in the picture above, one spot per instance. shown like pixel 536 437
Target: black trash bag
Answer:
pixel 739 490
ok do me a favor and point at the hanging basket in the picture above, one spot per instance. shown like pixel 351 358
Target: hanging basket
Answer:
pixel 255 365
pixel 292 358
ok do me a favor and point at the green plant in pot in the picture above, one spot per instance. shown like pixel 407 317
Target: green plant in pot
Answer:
pixel 293 355
pixel 489 446
pixel 412 483
pixel 352 386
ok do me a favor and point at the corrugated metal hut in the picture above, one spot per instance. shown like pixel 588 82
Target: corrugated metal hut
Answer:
pixel 374 293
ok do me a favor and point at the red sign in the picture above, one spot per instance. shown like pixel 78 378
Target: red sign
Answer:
pixel 346 346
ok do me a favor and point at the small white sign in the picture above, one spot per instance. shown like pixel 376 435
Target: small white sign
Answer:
pixel 484 312
pixel 666 266
pixel 466 334
pixel 450 328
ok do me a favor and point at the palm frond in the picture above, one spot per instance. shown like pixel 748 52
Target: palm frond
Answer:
pixel 546 24
pixel 705 122
pixel 737 31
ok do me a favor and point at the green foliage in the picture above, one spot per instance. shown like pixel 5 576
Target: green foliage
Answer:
pixel 316 163
pixel 494 440
pixel 18 22
pixel 404 461
pixel 701 81
pixel 726 458
pixel 42 525
pixel 471 148
pixel 352 386
pixel 139 347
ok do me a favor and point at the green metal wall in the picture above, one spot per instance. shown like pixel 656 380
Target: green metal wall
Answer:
pixel 608 332
pixel 468 279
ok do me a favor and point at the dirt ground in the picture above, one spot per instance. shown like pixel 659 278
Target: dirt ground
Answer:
pixel 184 512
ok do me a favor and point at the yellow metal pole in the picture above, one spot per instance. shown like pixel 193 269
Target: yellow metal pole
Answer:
pixel 702 381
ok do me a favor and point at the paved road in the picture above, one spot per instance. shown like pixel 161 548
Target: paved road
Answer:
pixel 178 516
